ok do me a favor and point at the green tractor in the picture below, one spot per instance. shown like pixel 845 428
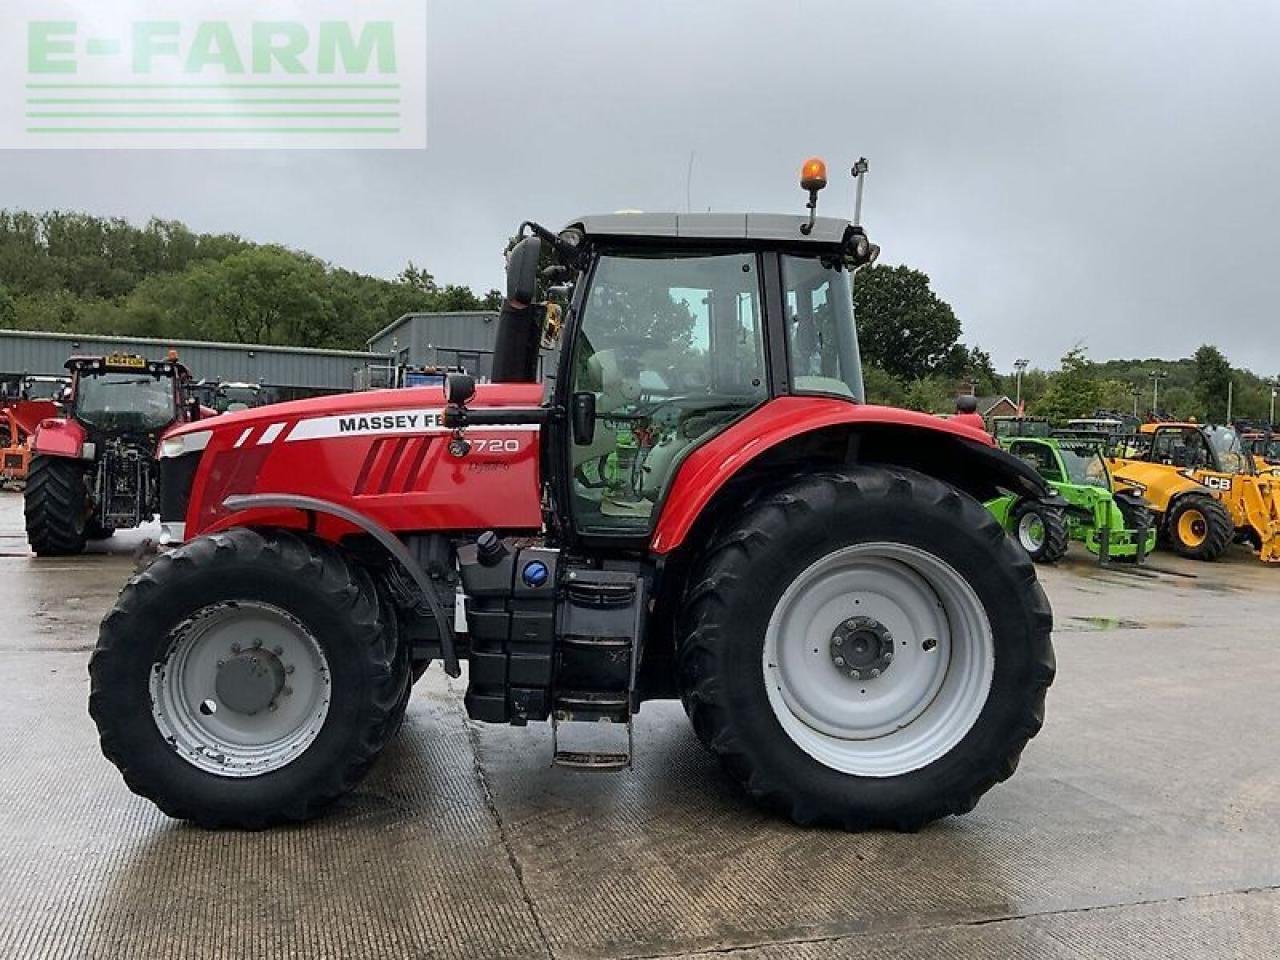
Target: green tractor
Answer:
pixel 1112 525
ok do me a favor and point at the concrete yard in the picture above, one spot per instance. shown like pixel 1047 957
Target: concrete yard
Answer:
pixel 1144 820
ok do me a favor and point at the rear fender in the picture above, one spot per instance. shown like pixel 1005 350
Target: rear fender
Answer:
pixel 793 431
pixel 59 438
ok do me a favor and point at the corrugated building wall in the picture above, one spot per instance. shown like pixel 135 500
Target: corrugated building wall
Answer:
pixel 23 351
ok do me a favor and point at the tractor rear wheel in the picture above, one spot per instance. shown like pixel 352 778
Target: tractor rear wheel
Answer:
pixel 56 504
pixel 247 678
pixel 1040 530
pixel 866 648
pixel 1199 527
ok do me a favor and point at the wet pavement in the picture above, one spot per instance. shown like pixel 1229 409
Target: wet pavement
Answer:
pixel 1143 822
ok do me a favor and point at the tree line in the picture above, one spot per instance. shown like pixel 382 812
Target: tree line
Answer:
pixel 72 272
pixel 913 357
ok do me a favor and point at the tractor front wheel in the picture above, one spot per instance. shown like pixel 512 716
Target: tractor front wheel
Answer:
pixel 1041 531
pixel 247 678
pixel 56 504
pixel 866 648
pixel 1199 527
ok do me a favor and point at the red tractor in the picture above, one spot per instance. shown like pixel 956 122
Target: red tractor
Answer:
pixel 35 399
pixel 94 469
pixel 701 507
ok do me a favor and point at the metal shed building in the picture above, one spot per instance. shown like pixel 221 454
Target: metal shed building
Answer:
pixel 291 369
pixel 460 339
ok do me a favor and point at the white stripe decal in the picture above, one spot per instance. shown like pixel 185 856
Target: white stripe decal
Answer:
pixel 269 435
pixel 387 423
pixel 244 436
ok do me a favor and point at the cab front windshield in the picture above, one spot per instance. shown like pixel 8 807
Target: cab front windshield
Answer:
pixel 1227 449
pixel 1085 465
pixel 134 401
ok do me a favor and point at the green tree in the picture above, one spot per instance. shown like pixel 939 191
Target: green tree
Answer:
pixel 1073 390
pixel 882 388
pixel 1213 381
pixel 8 309
pixel 904 328
pixel 931 395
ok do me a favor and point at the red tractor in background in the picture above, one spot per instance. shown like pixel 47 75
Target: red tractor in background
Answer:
pixel 93 470
pixel 35 398
pixel 702 508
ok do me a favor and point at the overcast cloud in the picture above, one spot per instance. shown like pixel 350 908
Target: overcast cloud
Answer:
pixel 1098 172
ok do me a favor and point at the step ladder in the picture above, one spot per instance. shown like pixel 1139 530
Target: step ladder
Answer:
pixel 598 650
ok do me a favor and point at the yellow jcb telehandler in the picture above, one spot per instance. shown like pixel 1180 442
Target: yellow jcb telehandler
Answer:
pixel 1204 488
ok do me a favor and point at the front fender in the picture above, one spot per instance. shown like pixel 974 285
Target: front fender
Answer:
pixel 791 427
pixel 58 438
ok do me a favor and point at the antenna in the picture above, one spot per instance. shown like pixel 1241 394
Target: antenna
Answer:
pixel 859 172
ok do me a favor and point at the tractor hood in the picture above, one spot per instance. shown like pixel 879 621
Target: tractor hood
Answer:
pixel 374 411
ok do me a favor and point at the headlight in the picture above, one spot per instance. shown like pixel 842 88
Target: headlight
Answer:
pixel 184 443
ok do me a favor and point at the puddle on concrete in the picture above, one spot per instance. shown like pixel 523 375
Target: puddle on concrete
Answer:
pixel 1107 623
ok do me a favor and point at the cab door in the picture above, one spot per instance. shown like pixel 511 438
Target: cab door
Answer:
pixel 671 347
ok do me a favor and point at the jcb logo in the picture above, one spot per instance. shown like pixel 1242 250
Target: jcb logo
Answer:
pixel 1217 483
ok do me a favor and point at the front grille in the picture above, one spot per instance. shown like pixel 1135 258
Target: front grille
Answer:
pixel 176 477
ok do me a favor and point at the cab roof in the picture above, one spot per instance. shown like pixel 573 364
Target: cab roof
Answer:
pixel 776 227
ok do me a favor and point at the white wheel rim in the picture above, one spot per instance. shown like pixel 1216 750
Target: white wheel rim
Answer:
pixel 926 699
pixel 1031 532
pixel 217 734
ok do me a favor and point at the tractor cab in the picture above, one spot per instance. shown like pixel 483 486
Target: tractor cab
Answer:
pixel 123 394
pixel 230 397
pixel 682 325
pixel 53 389
pixel 671 328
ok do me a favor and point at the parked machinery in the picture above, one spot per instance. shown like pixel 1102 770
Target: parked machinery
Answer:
pixel 1205 489
pixel 94 470
pixel 1112 525
pixel 32 399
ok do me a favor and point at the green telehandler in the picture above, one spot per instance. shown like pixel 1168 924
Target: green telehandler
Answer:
pixel 1113 525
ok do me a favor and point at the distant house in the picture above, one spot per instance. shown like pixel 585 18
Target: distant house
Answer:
pixel 990 407
pixel 996 407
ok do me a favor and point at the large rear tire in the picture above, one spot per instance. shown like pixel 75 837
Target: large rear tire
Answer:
pixel 247 678
pixel 1199 527
pixel 866 648
pixel 56 504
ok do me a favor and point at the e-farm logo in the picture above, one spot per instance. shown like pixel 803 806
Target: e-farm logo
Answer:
pixel 213 73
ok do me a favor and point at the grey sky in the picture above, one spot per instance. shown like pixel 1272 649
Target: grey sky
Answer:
pixel 1102 172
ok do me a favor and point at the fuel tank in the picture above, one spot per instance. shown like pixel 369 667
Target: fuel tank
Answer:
pixel 384 453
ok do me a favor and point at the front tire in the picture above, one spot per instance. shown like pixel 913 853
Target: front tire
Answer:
pixel 56 505
pixel 885 561
pixel 1199 527
pixel 1041 530
pixel 247 678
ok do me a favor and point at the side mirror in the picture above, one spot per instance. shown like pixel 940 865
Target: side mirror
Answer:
pixel 522 270
pixel 459 388
pixel 582 415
